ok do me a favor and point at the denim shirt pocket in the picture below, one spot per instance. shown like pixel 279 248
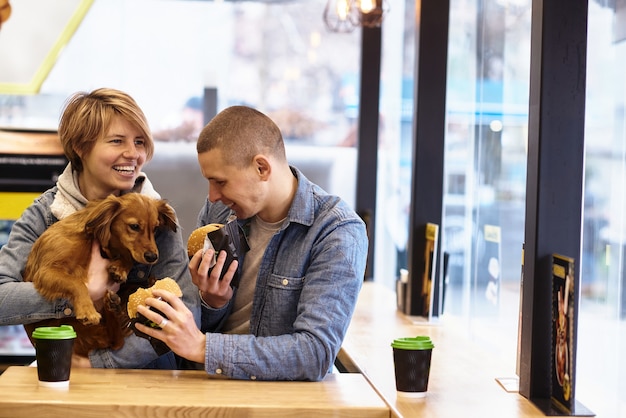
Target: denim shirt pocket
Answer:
pixel 281 304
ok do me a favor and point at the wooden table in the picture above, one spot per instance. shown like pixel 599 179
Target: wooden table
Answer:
pixel 462 377
pixel 116 393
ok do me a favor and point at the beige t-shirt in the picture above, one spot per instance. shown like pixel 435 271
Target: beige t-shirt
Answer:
pixel 259 236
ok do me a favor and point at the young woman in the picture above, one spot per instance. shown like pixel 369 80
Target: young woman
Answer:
pixel 106 138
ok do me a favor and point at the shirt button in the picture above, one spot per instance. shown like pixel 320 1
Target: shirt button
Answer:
pixel 67 311
pixel 218 371
pixel 285 282
pixel 141 274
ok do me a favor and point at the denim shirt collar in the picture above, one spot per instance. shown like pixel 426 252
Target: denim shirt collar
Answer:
pixel 302 208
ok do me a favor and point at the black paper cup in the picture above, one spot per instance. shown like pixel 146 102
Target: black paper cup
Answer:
pixel 411 357
pixel 53 351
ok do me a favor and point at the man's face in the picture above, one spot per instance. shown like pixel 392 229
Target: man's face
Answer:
pixel 241 189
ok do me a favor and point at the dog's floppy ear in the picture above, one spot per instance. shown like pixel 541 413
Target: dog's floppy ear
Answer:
pixel 98 224
pixel 167 216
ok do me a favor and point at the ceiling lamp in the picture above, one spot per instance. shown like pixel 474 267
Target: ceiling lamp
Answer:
pixel 341 16
pixel 372 12
pixel 345 15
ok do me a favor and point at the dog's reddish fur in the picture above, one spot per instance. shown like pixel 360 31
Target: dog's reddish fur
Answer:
pixel 59 261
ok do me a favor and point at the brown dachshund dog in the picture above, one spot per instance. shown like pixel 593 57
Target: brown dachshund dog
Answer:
pixel 59 261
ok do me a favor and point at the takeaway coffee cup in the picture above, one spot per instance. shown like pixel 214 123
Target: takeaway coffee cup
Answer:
pixel 53 351
pixel 411 357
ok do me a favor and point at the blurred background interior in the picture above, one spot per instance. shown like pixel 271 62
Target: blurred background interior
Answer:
pixel 182 60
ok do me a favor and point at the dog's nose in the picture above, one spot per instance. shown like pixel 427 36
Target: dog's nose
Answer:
pixel 150 256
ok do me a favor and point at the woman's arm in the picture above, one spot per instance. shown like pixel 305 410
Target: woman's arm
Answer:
pixel 20 303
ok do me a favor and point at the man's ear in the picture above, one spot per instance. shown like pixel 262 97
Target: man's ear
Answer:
pixel 263 166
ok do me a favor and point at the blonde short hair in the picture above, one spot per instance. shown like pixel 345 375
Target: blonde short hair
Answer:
pixel 87 117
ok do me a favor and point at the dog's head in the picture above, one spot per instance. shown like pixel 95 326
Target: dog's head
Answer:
pixel 125 225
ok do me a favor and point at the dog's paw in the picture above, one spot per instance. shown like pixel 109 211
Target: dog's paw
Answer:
pixel 86 312
pixel 89 318
pixel 119 279
pixel 117 273
pixel 112 302
pixel 112 298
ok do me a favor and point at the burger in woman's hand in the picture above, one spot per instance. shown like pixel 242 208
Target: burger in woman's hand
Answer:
pixel 141 294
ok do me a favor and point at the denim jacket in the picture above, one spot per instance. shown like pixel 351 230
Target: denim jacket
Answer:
pixel 307 287
pixel 20 303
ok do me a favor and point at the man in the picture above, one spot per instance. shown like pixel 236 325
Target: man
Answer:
pixel 299 280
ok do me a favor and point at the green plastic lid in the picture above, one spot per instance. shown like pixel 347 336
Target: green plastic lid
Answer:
pixel 421 342
pixel 63 332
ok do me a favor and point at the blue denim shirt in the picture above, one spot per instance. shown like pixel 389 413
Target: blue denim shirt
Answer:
pixel 20 303
pixel 307 287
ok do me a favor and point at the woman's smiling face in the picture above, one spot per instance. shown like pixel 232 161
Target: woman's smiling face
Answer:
pixel 114 162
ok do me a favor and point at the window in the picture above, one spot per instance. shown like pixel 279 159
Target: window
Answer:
pixel 485 170
pixel 485 161
pixel 602 331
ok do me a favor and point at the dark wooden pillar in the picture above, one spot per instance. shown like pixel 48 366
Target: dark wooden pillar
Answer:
pixel 554 176
pixel 432 21
pixel 367 163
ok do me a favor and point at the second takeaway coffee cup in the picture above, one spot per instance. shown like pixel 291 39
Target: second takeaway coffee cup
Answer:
pixel 411 357
pixel 53 351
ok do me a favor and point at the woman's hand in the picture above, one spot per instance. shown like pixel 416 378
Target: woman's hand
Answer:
pixel 98 279
pixel 178 326
pixel 215 292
